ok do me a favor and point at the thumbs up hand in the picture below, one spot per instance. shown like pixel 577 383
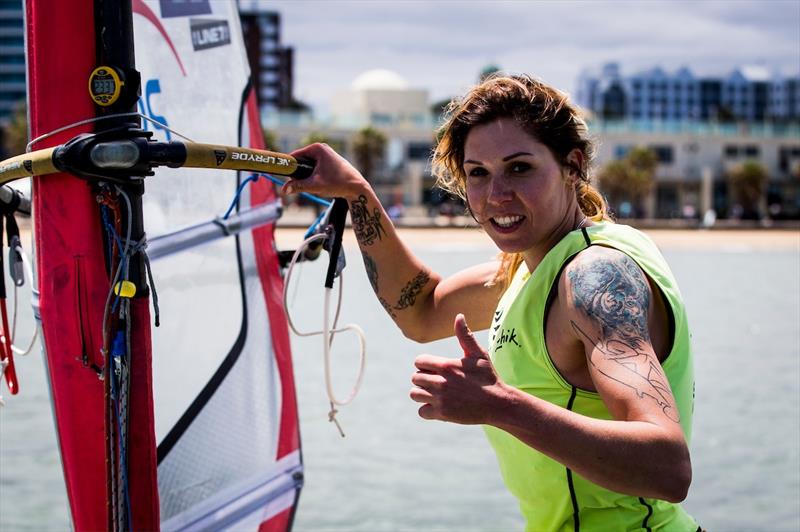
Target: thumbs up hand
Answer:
pixel 466 390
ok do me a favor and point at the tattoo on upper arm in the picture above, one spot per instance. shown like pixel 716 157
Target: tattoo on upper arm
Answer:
pixel 409 293
pixel 615 295
pixel 367 226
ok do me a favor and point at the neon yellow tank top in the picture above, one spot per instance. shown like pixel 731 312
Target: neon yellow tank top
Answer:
pixel 551 496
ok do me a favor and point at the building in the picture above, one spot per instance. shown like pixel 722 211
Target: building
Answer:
pixel 383 100
pixel 695 161
pixel 749 93
pixel 12 57
pixel 271 63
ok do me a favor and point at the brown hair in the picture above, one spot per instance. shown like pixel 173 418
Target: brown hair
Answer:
pixel 544 113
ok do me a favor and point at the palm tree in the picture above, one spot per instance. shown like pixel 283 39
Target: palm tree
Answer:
pixel 748 182
pixel 369 147
pixel 629 179
pixel 16 133
pixel 322 138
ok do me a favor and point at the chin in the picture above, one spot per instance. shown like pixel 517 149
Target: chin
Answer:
pixel 507 246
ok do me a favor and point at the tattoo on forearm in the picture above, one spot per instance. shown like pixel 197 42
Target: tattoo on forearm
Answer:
pixel 615 294
pixel 372 271
pixel 367 226
pixel 387 307
pixel 409 293
pixel 372 274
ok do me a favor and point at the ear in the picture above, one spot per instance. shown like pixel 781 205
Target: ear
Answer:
pixel 575 160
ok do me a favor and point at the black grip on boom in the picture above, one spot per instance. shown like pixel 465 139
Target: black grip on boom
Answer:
pixel 305 167
pixel 337 219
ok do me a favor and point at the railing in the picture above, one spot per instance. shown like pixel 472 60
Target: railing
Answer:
pixel 677 127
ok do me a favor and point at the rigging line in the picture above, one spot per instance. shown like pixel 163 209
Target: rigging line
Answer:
pixel 107 310
pixel 254 177
pixel 98 119
pixel 329 330
pixel 119 393
pixel 28 269
pixel 312 197
pixel 127 389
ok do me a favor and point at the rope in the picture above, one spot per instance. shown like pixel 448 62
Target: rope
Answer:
pixel 328 331
pixel 98 119
pixel 254 177
pixel 28 269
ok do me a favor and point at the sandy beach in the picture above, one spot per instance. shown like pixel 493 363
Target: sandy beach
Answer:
pixel 755 239
pixel 739 239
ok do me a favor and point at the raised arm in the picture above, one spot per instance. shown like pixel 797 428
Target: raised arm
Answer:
pixel 421 303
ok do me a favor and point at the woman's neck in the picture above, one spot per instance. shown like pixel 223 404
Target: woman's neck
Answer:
pixel 571 222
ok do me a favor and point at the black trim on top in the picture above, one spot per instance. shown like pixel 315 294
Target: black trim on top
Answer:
pixel 649 513
pixel 233 355
pixel 576 519
pixel 586 236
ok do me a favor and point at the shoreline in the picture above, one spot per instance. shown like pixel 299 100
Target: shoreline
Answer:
pixel 288 236
pixel 728 239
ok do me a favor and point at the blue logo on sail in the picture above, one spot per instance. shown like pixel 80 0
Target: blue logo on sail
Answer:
pixel 184 8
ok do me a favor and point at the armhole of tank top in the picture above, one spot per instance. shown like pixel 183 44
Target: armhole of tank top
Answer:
pixel 548 302
pixel 670 318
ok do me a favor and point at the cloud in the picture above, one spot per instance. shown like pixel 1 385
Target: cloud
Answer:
pixel 443 45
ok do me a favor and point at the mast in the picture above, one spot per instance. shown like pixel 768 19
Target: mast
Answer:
pixel 66 41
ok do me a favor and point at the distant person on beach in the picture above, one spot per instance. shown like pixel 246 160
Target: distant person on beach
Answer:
pixel 586 389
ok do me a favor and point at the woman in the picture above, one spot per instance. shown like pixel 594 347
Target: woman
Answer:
pixel 586 389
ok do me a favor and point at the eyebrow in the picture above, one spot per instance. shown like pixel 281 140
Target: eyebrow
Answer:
pixel 505 159
pixel 513 155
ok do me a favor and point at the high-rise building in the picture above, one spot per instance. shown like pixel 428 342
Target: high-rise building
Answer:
pixel 12 57
pixel 271 63
pixel 749 93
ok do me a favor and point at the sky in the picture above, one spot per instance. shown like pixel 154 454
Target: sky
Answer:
pixel 442 45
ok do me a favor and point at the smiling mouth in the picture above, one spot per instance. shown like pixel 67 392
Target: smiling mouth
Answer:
pixel 507 223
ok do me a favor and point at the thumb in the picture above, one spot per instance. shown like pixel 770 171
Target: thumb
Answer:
pixel 471 347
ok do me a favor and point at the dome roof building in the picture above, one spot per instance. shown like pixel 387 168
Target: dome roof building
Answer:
pixel 381 98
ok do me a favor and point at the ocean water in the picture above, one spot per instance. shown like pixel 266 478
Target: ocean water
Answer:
pixel 395 471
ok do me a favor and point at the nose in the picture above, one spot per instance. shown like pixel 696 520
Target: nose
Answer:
pixel 499 191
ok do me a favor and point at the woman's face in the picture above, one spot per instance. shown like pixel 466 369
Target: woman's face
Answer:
pixel 516 188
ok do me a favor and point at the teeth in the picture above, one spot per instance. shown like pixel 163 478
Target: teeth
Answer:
pixel 506 221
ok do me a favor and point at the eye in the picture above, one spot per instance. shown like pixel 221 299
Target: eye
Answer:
pixel 519 167
pixel 477 171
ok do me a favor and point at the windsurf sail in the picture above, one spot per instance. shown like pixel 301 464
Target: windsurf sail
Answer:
pixel 207 435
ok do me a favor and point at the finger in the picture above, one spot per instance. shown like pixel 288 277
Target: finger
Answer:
pixel 470 346
pixel 420 396
pixel 427 412
pixel 290 187
pixel 428 381
pixel 308 151
pixel 431 363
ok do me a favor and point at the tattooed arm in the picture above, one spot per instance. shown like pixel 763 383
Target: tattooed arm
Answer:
pixel 421 303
